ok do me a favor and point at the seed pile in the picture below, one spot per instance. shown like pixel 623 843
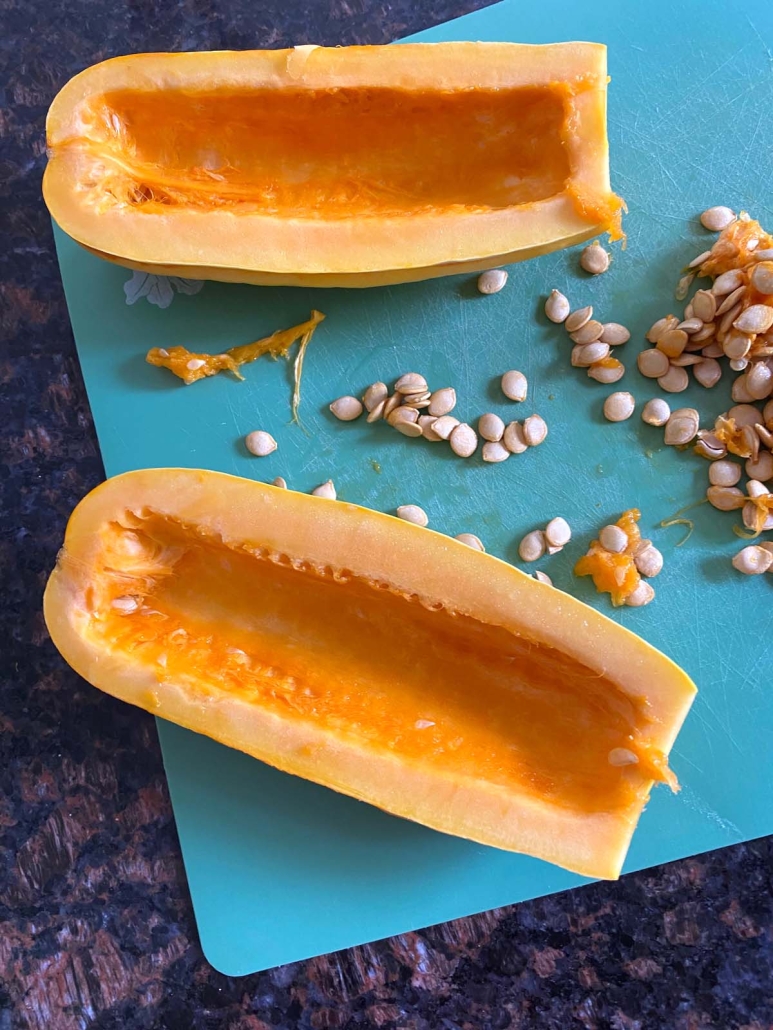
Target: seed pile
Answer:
pixel 620 561
pixel 593 340
pixel 416 411
pixel 745 432
pixel 733 318
pixel 550 540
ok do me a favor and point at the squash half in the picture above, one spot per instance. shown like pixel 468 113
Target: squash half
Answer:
pixel 346 166
pixel 383 660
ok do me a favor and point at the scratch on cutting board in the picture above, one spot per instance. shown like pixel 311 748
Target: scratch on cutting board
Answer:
pixel 698 804
pixel 765 47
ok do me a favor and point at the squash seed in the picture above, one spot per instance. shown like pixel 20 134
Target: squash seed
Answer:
pixel 557 307
pixel 491 427
pixel 463 440
pixel 662 326
pixel 762 277
pixel 698 261
pixel 704 305
pixel 411 382
pixel 648 561
pixel 492 281
pixel 759 380
pixel 724 473
pixel 710 447
pixel 708 373
pixel 377 412
pixel 682 427
pixel 578 318
pixel 514 439
pixel 403 414
pixel 444 426
pixel 542 577
pixel 738 391
pixel 757 318
pixel 754 488
pixel 640 596
pixel 751 442
pixel 675 380
pixel 715 219
pixel 586 354
pixel 471 540
pixel 613 539
pixel 280 482
pixel 346 408
pixel 607 371
pixel 621 756
pixel 260 443
pixel 326 489
pixel 126 604
pixel 514 385
pixel 690 326
pixel 672 343
pixel 726 282
pixel 410 429
pixel 729 302
pixel 374 395
pixel 614 334
pixel 494 451
pixel 425 424
pixel 588 333
pixel 686 360
pixel 745 415
pixel 653 363
pixel 753 560
pixel 534 430
pixel 762 468
pixel 708 330
pixel 417 400
pixel 391 403
pixel 727 320
pixel 725 498
pixel 683 286
pixel 619 406
pixel 558 532
pixel 413 513
pixel 656 412
pixel 765 435
pixel 594 259
pixel 442 401
pixel 736 345
pixel 532 547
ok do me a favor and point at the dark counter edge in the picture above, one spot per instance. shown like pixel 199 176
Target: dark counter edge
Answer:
pixel 96 926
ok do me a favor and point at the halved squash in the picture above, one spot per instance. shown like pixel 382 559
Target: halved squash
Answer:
pixel 346 166
pixel 367 654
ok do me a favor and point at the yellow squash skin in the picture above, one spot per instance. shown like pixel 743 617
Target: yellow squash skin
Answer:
pixel 380 659
pixel 347 166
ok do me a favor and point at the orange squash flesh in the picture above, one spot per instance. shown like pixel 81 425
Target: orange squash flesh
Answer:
pixel 367 654
pixel 345 166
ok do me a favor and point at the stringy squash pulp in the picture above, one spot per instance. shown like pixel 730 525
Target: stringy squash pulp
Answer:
pixel 347 166
pixel 378 658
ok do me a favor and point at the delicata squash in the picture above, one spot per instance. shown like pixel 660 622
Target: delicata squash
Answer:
pixel 370 655
pixel 345 166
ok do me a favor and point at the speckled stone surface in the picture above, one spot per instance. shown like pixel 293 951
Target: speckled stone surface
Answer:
pixel 96 928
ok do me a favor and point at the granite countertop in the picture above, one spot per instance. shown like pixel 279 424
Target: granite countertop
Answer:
pixel 96 926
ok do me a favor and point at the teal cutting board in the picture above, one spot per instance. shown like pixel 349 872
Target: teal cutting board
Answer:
pixel 280 869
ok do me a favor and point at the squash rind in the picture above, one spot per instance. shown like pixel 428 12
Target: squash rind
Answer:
pixel 359 251
pixel 416 561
